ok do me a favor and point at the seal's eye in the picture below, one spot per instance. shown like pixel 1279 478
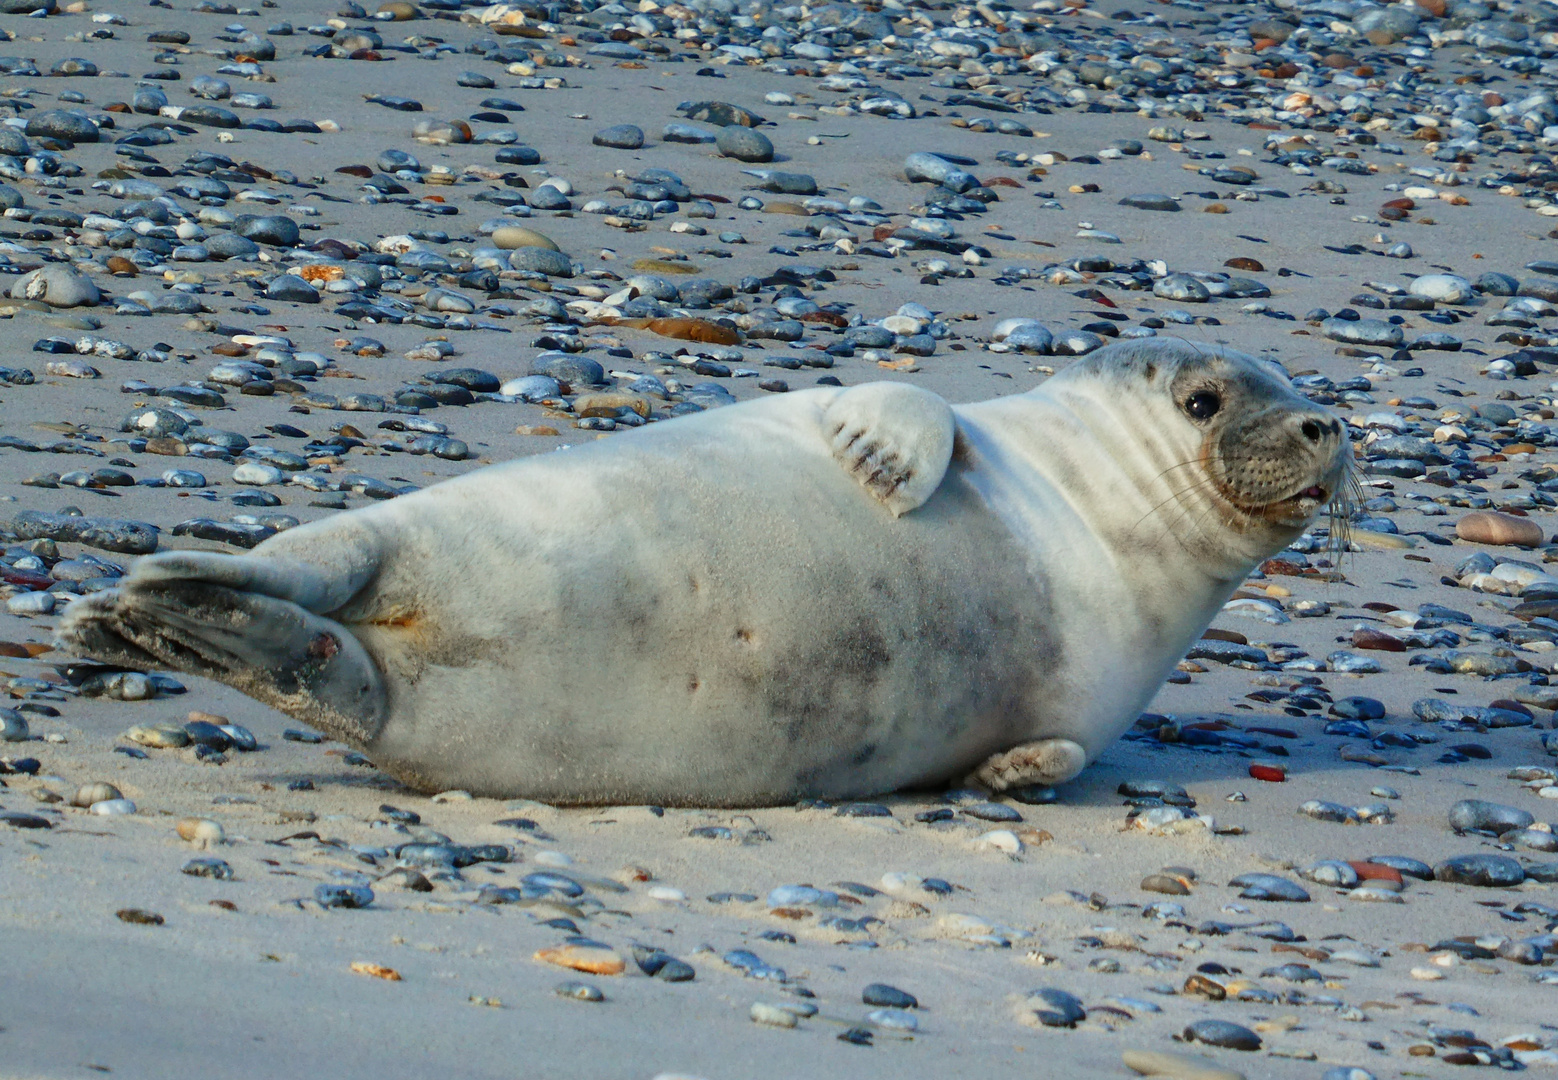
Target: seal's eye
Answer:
pixel 1203 404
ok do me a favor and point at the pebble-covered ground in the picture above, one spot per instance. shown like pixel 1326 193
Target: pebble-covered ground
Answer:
pixel 267 263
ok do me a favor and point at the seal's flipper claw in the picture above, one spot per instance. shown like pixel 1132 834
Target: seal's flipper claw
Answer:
pixel 1048 761
pixel 894 438
pixel 309 667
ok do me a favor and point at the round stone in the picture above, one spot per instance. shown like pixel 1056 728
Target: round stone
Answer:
pixel 57 286
pixel 290 287
pixel 226 245
pixel 541 260
pixel 66 124
pixel 744 144
pixel 620 136
pixel 273 229
pixel 1182 288
pixel 1442 288
pixel 565 368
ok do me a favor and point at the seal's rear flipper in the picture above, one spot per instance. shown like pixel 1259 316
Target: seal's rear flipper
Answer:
pixel 1048 761
pixel 894 438
pixel 274 650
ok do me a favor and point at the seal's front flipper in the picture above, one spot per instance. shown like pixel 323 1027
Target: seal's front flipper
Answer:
pixel 894 438
pixel 308 666
pixel 1048 761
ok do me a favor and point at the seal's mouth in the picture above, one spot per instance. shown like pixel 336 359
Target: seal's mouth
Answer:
pixel 1298 507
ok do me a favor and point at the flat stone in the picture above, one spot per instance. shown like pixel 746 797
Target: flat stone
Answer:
pixel 594 959
pixel 1223 1033
pixel 1151 202
pixel 1170 1066
pixel 1489 871
pixel 1363 332
pixel 1269 887
pixel 509 237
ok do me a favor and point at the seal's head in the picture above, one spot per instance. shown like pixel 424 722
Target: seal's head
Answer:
pixel 1229 453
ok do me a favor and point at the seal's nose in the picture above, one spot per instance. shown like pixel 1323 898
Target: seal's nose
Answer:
pixel 1316 430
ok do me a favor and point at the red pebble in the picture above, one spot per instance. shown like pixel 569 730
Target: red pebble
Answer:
pixel 1272 774
pixel 1368 871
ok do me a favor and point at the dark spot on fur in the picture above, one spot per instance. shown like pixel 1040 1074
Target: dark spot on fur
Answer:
pixel 323 647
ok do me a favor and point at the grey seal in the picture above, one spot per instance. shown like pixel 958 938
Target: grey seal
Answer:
pixel 831 593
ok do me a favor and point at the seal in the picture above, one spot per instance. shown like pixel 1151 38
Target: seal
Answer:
pixel 831 593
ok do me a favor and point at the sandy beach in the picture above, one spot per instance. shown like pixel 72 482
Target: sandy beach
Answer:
pixel 1296 168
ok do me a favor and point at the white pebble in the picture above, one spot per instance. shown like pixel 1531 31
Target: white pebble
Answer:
pixel 1000 840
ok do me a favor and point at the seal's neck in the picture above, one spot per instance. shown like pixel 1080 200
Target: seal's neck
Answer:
pixel 1133 477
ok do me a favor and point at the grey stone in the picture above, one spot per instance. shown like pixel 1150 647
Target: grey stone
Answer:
pixel 744 144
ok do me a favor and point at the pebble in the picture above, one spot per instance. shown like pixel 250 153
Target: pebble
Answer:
pixel 744 144
pixel 1172 1066
pixel 1223 1033
pixel 1490 527
pixel 1494 871
pixel 1442 288
pixel 578 991
pixel 1269 887
pixel 621 137
pixel 891 997
pixel 57 286
pixel 593 958
pixel 201 832
pixel 343 896
pixel 13 727
pixel 1493 817
pixel 772 1015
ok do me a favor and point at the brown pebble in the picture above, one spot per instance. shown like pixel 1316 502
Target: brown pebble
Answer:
pixel 1216 208
pixel 1241 262
pixel 1202 986
pixel 119 266
pixel 593 959
pixel 1490 527
pixel 1365 638
pixel 1163 883
pixel 138 916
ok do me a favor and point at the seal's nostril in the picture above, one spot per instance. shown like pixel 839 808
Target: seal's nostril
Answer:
pixel 1311 430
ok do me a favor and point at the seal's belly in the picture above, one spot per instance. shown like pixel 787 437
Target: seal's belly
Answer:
pixel 703 620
